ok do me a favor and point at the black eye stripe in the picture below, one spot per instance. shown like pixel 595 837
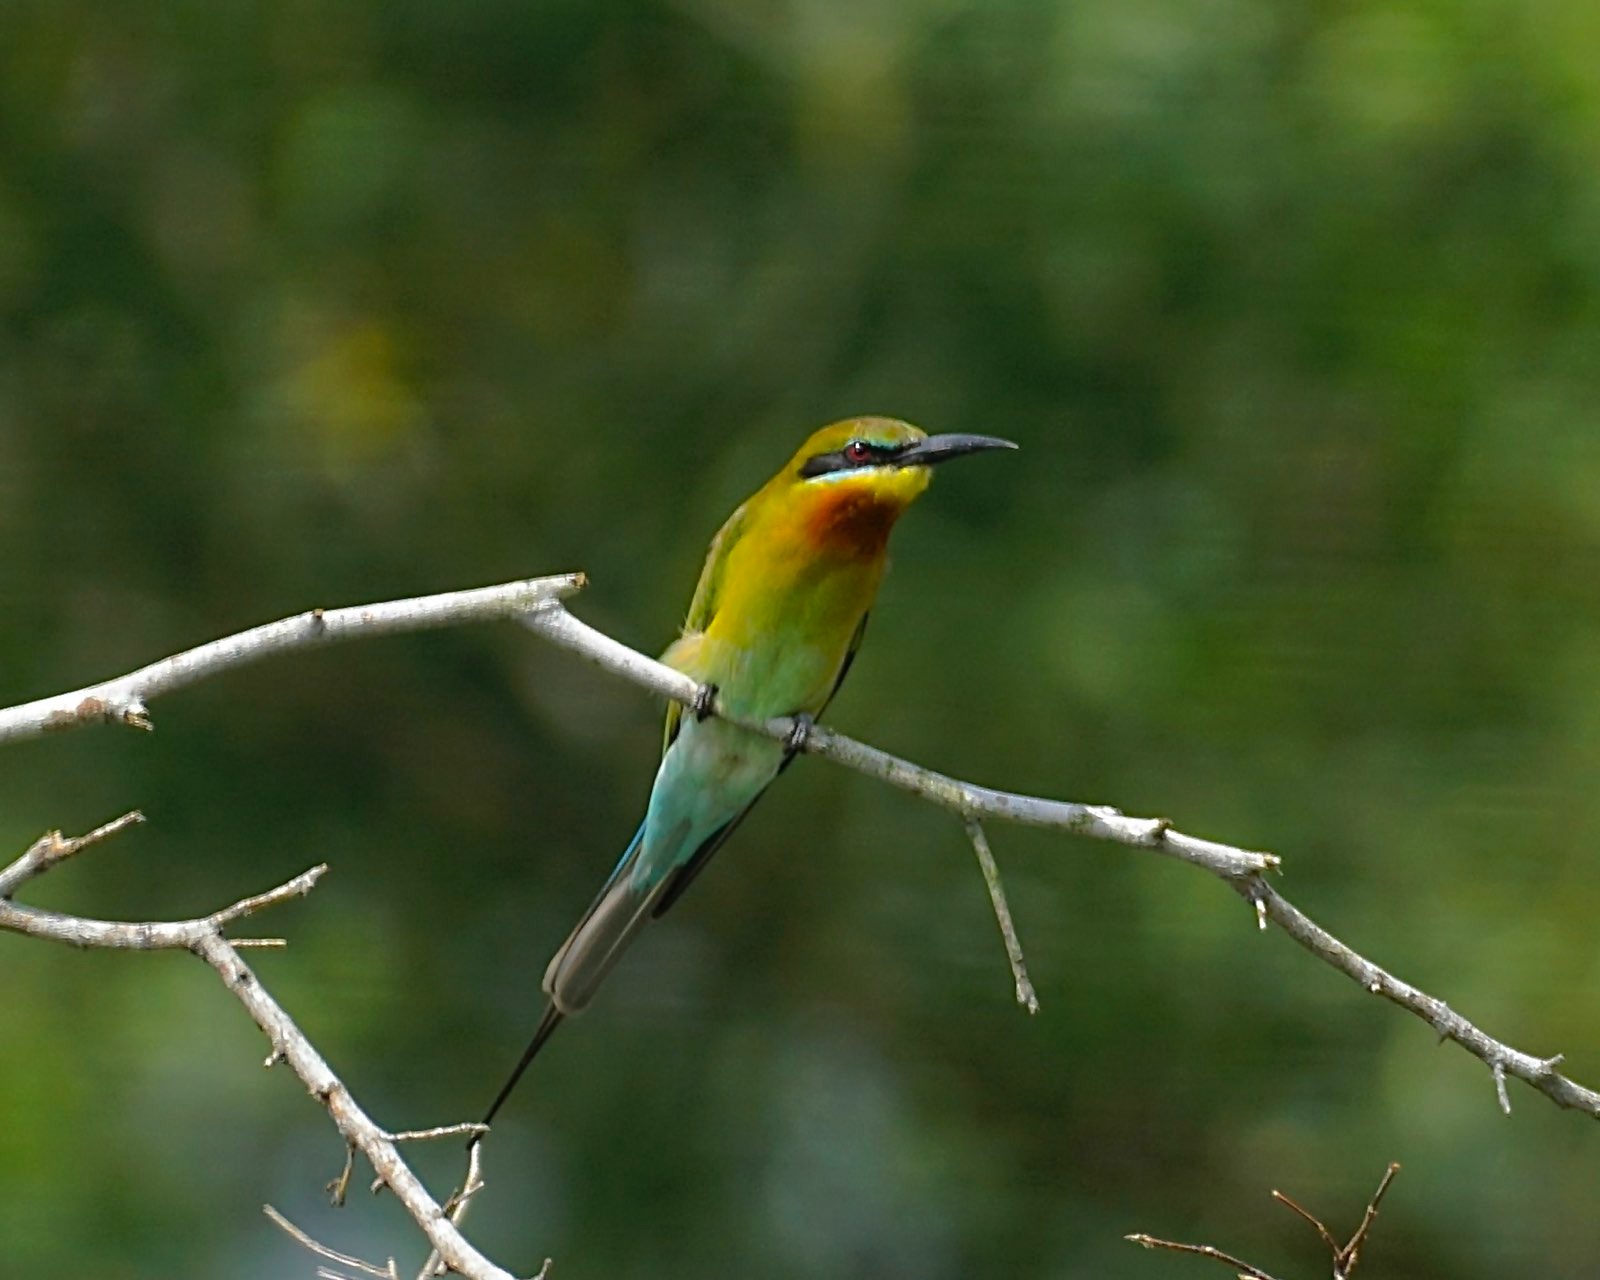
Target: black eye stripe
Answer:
pixel 839 460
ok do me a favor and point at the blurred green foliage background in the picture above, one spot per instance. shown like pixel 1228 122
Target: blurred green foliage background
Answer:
pixel 1294 310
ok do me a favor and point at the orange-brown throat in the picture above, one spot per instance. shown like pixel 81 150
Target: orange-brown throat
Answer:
pixel 851 520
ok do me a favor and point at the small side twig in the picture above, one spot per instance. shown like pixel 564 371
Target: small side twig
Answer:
pixel 53 847
pixel 1026 995
pixel 467 1128
pixel 339 1187
pixel 1345 1257
pixel 1244 1269
pixel 333 1255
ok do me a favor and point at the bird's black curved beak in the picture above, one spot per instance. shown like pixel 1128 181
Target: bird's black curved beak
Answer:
pixel 937 449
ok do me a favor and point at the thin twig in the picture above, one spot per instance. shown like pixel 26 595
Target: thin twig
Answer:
pixel 52 847
pixel 165 935
pixel 1345 1259
pixel 333 1255
pixel 1244 1270
pixel 339 1187
pixel 467 1128
pixel 1026 996
pixel 1294 1206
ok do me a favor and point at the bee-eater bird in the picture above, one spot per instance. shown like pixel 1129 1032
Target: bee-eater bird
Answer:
pixel 773 628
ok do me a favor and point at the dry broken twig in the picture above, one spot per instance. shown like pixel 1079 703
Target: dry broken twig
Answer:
pixel 1026 995
pixel 1345 1256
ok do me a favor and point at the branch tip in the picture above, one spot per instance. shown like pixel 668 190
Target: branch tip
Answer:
pixel 1243 1269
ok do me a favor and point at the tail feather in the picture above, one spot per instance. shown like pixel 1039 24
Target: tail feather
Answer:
pixel 594 947
pixel 623 907
pixel 547 1025
pixel 556 1010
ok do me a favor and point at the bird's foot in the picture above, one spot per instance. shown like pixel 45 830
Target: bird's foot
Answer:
pixel 800 727
pixel 705 701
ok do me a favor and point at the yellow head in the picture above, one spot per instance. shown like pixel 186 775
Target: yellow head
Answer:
pixel 852 480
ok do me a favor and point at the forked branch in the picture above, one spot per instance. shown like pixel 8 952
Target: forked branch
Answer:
pixel 537 603
pixel 205 938
pixel 1345 1257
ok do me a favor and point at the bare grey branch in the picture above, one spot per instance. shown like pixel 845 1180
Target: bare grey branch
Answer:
pixel 537 603
pixel 123 700
pixel 354 1125
pixel 1241 869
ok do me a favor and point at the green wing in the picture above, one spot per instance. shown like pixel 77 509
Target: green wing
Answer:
pixel 844 667
pixel 703 607
pixel 684 876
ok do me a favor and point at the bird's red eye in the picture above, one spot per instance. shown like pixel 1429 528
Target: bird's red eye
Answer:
pixel 858 451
